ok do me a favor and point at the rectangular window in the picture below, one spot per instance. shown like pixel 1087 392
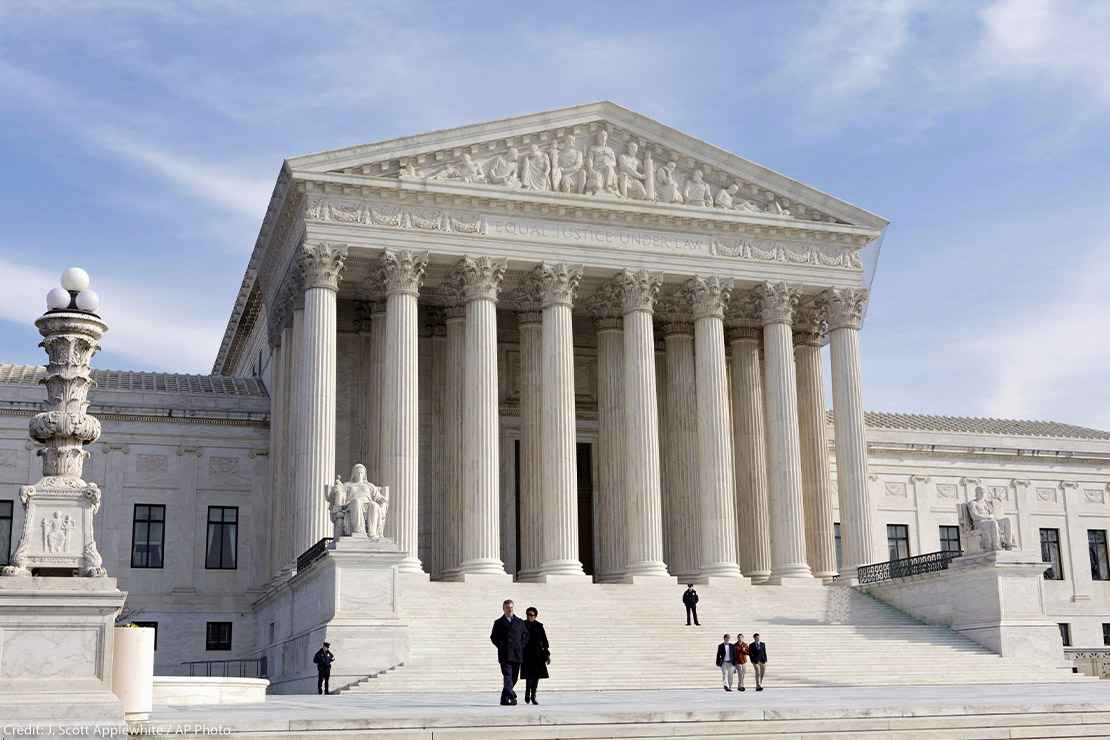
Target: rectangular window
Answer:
pixel 218 636
pixel 898 541
pixel 949 538
pixel 839 547
pixel 1105 633
pixel 1050 553
pixel 148 536
pixel 1065 633
pixel 7 506
pixel 222 551
pixel 152 625
pixel 273 632
pixel 1096 546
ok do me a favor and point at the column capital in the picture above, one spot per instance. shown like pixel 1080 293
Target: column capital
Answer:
pixel 477 278
pixel 606 303
pixel 809 324
pixel 777 302
pixel 753 334
pixel 529 317
pixel 677 327
pixel 557 283
pixel 402 271
pixel 322 264
pixel 708 295
pixel 844 307
pixel 639 289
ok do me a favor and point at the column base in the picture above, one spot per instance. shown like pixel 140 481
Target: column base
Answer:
pixel 410 565
pixel 648 580
pixel 720 570
pixel 651 568
pixel 562 568
pixel 759 576
pixel 609 578
pixel 799 579
pixel 481 567
pixel 731 581
pixel 562 578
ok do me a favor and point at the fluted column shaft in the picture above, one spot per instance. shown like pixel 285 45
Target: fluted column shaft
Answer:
pixel 816 475
pixel 558 426
pixel 857 537
pixel 643 498
pixel 610 444
pixel 373 382
pixel 481 280
pixel 788 546
pixel 453 441
pixel 681 484
pixel 321 266
pixel 294 430
pixel 530 473
pixel 749 454
pixel 278 419
pixel 437 500
pixel 403 274
pixel 717 497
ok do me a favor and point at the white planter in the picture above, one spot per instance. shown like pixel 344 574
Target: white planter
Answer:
pixel 133 670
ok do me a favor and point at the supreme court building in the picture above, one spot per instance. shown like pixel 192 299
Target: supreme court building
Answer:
pixel 575 345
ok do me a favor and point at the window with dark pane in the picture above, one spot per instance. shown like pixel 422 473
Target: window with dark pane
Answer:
pixel 148 536
pixel 1096 546
pixel 898 541
pixel 1050 553
pixel 950 538
pixel 218 636
pixel 7 507
pixel 839 547
pixel 1065 633
pixel 222 550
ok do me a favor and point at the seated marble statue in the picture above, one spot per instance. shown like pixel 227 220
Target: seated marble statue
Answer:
pixel 985 527
pixel 358 508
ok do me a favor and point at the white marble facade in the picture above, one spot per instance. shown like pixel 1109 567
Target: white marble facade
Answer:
pixel 509 321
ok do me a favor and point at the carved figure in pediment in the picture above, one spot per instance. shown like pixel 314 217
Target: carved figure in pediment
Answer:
pixel 408 170
pixel 468 171
pixel 504 169
pixel 749 206
pixel 631 176
pixel 698 192
pixel 668 188
pixel 724 197
pixel 601 167
pixel 535 170
pixel 568 173
pixel 778 207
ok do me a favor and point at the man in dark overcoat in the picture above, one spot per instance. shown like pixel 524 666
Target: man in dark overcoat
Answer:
pixel 510 635
pixel 323 660
pixel 690 600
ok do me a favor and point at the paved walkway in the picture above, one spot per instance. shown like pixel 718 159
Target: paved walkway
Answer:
pixel 444 709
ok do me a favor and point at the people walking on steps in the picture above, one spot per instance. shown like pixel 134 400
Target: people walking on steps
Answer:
pixel 740 654
pixel 323 660
pixel 537 655
pixel 690 599
pixel 510 635
pixel 726 661
pixel 757 652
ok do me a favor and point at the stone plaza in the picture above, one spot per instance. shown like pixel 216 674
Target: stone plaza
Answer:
pixel 575 358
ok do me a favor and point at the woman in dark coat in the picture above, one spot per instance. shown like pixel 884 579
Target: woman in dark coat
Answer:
pixel 537 654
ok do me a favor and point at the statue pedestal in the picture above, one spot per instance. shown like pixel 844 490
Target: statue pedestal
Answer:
pixel 347 597
pixel 56 644
pixel 993 598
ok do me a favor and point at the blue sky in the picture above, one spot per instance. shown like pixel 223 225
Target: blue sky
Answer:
pixel 141 140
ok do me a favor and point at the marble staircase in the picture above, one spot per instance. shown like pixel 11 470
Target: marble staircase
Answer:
pixel 616 636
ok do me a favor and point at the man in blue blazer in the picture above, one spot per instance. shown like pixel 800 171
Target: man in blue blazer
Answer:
pixel 757 653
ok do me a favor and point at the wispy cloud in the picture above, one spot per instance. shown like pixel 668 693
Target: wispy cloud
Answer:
pixel 140 320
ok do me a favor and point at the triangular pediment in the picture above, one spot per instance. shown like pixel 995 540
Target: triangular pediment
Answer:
pixel 596 152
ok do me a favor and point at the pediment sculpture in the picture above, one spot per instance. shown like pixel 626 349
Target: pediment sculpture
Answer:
pixel 604 168
pixel 358 508
pixel 983 527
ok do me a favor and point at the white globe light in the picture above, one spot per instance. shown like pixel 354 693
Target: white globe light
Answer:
pixel 57 299
pixel 75 279
pixel 88 300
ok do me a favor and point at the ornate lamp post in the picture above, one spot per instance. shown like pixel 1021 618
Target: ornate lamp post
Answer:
pixel 57 537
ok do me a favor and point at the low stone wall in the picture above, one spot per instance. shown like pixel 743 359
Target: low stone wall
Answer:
pixel 204 690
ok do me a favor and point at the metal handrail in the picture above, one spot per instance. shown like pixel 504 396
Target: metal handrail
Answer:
pixel 231 668
pixel 312 554
pixel 929 563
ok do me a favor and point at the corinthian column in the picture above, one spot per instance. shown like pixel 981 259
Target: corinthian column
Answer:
pixel 455 315
pixel 680 482
pixel 716 504
pixel 480 278
pixel 643 504
pixel 531 443
pixel 558 284
pixel 402 273
pixel 296 524
pixel 816 477
pixel 321 268
pixel 845 311
pixel 278 418
pixel 788 545
pixel 606 309
pixel 374 392
pixel 753 525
